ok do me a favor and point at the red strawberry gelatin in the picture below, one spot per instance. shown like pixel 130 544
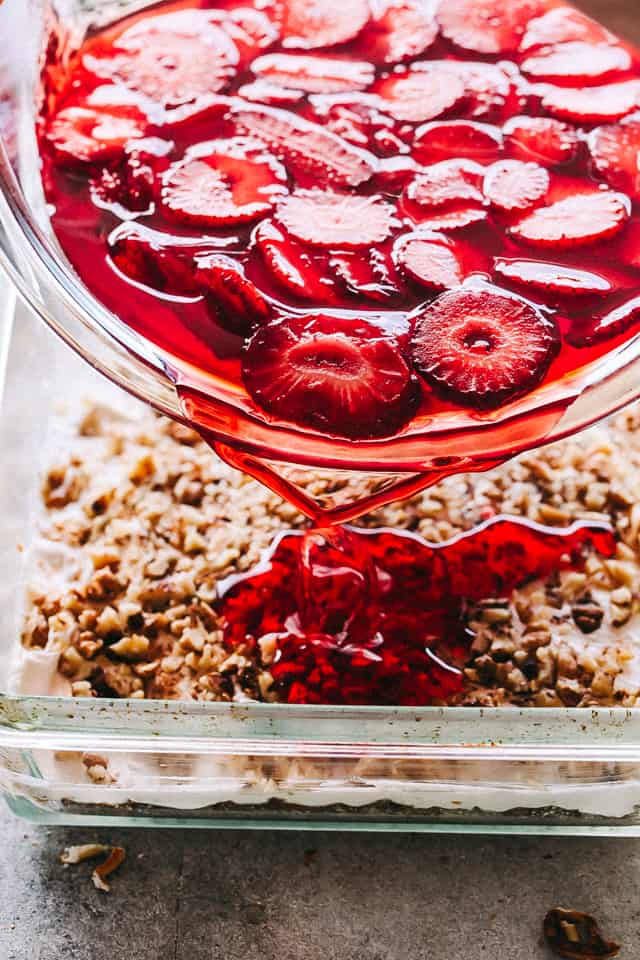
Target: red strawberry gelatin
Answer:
pixel 362 231
pixel 330 644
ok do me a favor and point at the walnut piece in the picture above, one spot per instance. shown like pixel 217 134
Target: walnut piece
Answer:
pixel 577 936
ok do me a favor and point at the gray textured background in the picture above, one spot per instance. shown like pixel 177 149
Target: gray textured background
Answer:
pixel 286 896
pixel 209 895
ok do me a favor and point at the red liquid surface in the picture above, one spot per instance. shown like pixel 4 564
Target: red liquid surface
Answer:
pixel 380 384
pixel 379 617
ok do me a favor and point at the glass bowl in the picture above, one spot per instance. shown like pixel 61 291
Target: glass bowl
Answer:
pixel 49 285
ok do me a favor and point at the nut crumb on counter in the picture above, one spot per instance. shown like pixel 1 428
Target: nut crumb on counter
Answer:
pixel 115 856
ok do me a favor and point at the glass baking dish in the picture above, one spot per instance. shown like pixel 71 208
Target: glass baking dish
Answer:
pixel 566 771
pixel 258 765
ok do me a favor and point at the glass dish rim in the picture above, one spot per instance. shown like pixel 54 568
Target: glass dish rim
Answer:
pixel 479 733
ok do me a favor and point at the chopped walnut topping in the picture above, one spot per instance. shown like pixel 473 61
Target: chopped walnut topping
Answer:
pixel 154 541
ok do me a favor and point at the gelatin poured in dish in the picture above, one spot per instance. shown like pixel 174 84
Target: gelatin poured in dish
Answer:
pixel 357 233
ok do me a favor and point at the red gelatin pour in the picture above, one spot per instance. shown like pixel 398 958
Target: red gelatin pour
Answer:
pixel 379 617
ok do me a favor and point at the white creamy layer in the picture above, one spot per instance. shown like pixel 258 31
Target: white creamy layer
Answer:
pixel 200 782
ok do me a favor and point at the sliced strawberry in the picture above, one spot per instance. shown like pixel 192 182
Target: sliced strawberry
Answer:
pixel 365 275
pixel 85 135
pixel 418 95
pixel 251 30
pixel 301 271
pixel 455 139
pixel 547 141
pixel 592 104
pixel 313 74
pixel 237 299
pixel 490 27
pixel 167 122
pixel 130 183
pixel 171 58
pixel 577 62
pixel 341 375
pixel 446 183
pixel 394 173
pixel 222 182
pixel 308 26
pixel 389 144
pixel 482 347
pixel 452 218
pixel 489 88
pixel 400 30
pixel 260 91
pixel 357 118
pixel 577 220
pixel 429 259
pixel 446 196
pixel 588 330
pixel 556 278
pixel 344 220
pixel 615 151
pixel 512 186
pixel 306 148
pixel 153 259
pixel 563 25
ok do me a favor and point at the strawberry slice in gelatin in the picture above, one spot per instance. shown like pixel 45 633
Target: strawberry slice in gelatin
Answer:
pixel 512 186
pixel 429 259
pixel 305 148
pixel 564 24
pixel 454 139
pixel 336 374
pixel 419 95
pixel 543 139
pixel 222 183
pixel 582 219
pixel 489 26
pixel 236 298
pixel 85 135
pixel 296 269
pixel 615 152
pixel 399 30
pixel 307 26
pixel 314 74
pixel 172 58
pixel 554 278
pixel 482 347
pixel 327 219
pixel 577 63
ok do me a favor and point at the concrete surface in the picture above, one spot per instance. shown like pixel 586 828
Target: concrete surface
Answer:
pixel 244 896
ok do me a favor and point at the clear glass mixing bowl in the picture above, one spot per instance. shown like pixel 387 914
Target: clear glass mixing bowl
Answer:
pixel 45 280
